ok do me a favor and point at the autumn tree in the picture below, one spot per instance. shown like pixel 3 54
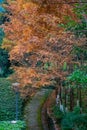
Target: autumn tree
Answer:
pixel 38 46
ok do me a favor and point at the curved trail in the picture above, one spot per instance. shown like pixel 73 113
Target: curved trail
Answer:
pixel 31 110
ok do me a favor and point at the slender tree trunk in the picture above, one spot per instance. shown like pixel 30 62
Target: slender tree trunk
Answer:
pixel 60 95
pixel 77 96
pixel 56 91
pixel 71 99
pixel 57 87
pixel 80 98
pixel 65 97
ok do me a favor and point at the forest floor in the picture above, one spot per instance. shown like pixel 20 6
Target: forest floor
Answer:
pixel 33 109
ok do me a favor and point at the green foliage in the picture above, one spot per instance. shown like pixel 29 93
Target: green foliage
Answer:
pixel 8 125
pixel 76 110
pixel 7 101
pixel 65 66
pixel 4 63
pixel 48 65
pixel 80 9
pixel 70 120
pixel 78 77
pixel 39 63
pixel 74 121
pixel 79 27
pixel 84 68
pixel 58 114
pixel 1 35
pixel 80 52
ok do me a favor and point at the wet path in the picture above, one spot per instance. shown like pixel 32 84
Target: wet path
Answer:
pixel 31 110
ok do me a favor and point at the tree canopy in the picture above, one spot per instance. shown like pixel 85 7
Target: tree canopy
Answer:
pixel 37 45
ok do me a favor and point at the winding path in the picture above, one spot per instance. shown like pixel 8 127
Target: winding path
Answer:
pixel 31 110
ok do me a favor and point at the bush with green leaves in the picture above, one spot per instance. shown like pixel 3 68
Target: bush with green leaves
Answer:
pixel 70 120
pixel 57 113
pixel 74 120
pixel 78 77
pixel 7 101
pixel 11 125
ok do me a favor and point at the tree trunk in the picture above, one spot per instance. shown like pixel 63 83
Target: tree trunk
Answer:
pixel 77 96
pixel 61 93
pixel 65 97
pixel 71 99
pixel 80 97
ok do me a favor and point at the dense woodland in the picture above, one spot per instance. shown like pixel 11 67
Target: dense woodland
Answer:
pixel 43 43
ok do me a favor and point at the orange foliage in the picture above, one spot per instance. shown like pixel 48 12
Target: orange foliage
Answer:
pixel 40 46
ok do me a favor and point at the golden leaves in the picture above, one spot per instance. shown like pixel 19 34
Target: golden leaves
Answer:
pixel 7 44
pixel 33 31
pixel 24 75
pixel 30 7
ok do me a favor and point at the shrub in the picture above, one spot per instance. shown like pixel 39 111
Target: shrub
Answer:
pixel 8 125
pixel 58 114
pixel 7 101
pixel 74 120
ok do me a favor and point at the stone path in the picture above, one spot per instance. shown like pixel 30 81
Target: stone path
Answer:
pixel 31 110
